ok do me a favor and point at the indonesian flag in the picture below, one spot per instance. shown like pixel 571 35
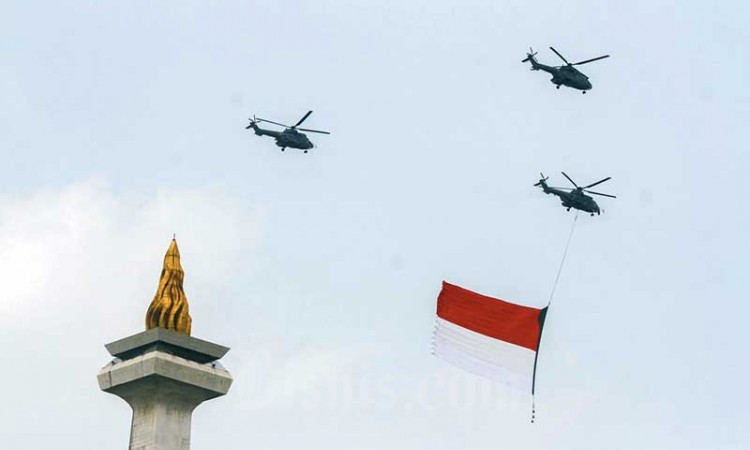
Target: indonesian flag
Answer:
pixel 488 336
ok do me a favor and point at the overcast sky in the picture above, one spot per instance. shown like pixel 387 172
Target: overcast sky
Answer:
pixel 123 122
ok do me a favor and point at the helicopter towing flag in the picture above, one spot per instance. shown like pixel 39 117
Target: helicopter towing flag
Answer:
pixel 488 336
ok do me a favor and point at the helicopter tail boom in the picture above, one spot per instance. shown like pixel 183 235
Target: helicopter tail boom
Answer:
pixel 261 131
pixel 542 183
pixel 530 58
pixel 254 126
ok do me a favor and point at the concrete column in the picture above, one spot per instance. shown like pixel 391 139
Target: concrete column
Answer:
pixel 160 422
pixel 161 387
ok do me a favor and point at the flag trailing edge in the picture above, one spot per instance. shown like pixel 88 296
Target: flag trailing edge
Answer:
pixel 488 336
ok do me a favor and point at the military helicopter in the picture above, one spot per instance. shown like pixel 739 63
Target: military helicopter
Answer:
pixel 290 137
pixel 564 75
pixel 576 197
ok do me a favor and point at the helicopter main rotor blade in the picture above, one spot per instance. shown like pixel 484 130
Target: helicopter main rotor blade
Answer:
pixel 561 56
pixel 599 193
pixel 271 121
pixel 598 182
pixel 313 131
pixel 302 119
pixel 566 175
pixel 590 60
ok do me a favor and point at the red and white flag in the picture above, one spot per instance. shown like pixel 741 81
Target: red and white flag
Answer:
pixel 488 336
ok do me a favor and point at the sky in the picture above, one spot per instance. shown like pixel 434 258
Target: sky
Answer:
pixel 123 123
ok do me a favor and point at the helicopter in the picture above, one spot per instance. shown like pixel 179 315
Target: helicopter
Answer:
pixel 566 75
pixel 290 137
pixel 576 197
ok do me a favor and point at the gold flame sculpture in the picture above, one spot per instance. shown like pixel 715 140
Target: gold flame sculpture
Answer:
pixel 169 309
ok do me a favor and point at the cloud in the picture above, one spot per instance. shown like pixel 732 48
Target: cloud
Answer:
pixel 279 374
pixel 85 252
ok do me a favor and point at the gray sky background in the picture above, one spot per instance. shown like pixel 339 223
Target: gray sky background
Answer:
pixel 123 122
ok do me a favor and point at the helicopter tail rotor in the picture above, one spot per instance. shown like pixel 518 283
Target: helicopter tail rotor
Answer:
pixel 530 55
pixel 252 123
pixel 542 181
pixel 530 58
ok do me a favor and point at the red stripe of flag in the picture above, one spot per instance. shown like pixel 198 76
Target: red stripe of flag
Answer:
pixel 519 325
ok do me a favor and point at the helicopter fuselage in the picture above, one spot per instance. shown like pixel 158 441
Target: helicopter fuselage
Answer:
pixel 574 199
pixel 565 75
pixel 288 138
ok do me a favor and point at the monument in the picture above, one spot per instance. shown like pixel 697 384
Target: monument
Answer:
pixel 164 373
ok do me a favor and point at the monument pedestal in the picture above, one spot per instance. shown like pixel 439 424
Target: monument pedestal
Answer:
pixel 163 375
